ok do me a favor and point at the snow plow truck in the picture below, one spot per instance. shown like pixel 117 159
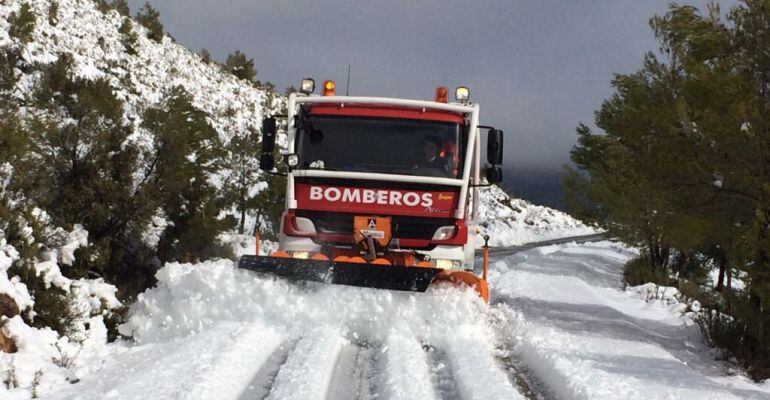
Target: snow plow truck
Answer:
pixel 380 192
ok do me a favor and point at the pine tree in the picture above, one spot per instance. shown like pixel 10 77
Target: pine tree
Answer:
pixel 122 7
pixel 79 166
pixel 22 24
pixel 687 152
pixel 241 185
pixel 205 56
pixel 149 17
pixel 240 66
pixel 53 13
pixel 128 37
pixel 188 154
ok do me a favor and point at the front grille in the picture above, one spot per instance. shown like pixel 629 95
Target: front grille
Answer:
pixel 401 227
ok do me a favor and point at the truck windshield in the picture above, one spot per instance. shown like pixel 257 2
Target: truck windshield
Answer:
pixel 382 145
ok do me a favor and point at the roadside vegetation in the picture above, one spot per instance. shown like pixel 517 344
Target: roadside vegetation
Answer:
pixel 69 155
pixel 682 170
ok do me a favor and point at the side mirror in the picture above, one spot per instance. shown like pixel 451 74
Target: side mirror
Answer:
pixel 266 160
pixel 494 174
pixel 495 147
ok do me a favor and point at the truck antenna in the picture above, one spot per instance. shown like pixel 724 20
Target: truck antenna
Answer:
pixel 347 88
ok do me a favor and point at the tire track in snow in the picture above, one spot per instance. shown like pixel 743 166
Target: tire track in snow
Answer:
pixel 225 358
pixel 248 348
pixel 308 370
pixel 262 382
pixel 443 377
pixel 405 371
pixel 520 377
pixel 476 371
pixel 354 374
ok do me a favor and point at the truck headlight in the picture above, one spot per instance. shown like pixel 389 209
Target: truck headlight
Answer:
pixel 444 233
pixel 448 264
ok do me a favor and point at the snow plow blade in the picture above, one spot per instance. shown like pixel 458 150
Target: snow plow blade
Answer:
pixel 392 277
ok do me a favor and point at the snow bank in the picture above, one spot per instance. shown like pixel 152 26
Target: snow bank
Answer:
pixel 190 298
pixel 12 287
pixel 511 222
pixel 43 359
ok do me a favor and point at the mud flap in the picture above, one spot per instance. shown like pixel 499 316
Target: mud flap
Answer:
pixel 392 277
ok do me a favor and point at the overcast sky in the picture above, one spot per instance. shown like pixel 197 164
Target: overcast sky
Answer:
pixel 537 67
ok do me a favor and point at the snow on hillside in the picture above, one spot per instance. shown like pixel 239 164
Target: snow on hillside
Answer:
pixel 41 358
pixel 510 221
pixel 141 80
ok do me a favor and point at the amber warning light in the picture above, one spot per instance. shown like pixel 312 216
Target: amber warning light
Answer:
pixel 328 88
pixel 441 94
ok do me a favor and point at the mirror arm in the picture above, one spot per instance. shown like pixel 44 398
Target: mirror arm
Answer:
pixel 276 173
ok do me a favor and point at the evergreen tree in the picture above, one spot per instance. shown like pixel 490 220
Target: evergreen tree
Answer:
pixel 53 13
pixel 205 56
pixel 79 166
pixel 149 17
pixel 188 154
pixel 686 162
pixel 22 24
pixel 128 37
pixel 242 164
pixel 240 66
pixel 122 7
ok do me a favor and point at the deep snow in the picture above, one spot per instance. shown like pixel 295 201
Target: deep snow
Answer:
pixel 584 337
pixel 511 222
pixel 211 331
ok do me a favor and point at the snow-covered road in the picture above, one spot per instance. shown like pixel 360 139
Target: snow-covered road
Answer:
pixel 581 337
pixel 559 326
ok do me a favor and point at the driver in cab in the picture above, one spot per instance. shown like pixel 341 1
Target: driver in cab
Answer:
pixel 434 161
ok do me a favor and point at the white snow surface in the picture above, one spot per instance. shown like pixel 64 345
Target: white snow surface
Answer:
pixel 57 359
pixel 510 222
pixel 12 286
pixel 209 330
pixel 584 337
pixel 208 306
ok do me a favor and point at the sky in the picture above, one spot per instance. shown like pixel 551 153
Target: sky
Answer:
pixel 537 68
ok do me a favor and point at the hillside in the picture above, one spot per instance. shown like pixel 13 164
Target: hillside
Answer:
pixel 510 221
pixel 142 76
